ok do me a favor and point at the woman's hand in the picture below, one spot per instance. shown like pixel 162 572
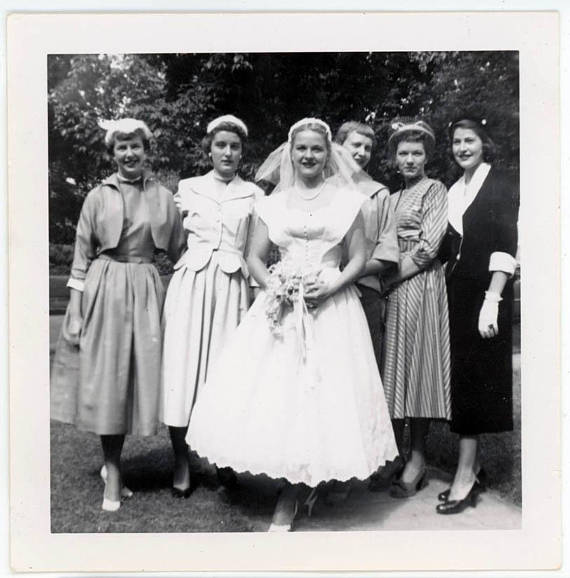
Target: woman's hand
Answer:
pixel 488 325
pixel 72 331
pixel 315 292
pixel 388 284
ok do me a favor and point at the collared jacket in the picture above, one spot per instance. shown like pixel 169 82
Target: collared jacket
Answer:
pixel 379 228
pixel 218 218
pixel 490 229
pixel 101 223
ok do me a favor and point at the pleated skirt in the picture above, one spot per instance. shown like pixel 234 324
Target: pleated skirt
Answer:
pixel 109 385
pixel 416 357
pixel 201 311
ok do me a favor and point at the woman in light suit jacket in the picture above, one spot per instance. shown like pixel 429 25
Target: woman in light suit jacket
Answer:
pixel 209 293
pixel 106 371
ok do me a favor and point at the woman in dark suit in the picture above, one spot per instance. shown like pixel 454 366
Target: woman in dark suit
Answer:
pixel 483 209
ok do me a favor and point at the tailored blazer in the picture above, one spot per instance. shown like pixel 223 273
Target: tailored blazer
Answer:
pixel 216 222
pixel 101 222
pixel 489 226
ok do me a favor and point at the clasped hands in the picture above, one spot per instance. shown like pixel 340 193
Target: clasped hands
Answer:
pixel 315 292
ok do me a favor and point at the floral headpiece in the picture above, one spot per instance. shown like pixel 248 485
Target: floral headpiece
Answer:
pixel 227 118
pixel 124 126
pixel 309 120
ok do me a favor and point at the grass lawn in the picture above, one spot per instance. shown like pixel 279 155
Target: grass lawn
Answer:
pixel 77 490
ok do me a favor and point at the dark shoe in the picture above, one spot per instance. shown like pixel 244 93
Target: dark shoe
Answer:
pixel 401 489
pixel 481 479
pixel 457 506
pixel 182 494
pixel 384 476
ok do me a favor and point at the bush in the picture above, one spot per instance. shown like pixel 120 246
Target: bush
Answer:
pixel 60 258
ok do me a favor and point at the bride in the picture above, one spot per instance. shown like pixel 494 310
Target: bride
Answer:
pixel 296 394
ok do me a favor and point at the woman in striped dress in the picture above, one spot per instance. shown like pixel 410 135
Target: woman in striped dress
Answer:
pixel 416 348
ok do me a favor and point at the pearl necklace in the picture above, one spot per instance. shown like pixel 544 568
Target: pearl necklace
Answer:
pixel 313 196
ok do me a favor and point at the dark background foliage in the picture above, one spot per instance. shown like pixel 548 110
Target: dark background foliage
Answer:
pixel 178 94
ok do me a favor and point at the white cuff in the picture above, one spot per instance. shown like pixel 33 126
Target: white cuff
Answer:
pixel 502 262
pixel 77 284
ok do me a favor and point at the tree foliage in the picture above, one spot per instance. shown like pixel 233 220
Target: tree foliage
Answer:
pixel 177 95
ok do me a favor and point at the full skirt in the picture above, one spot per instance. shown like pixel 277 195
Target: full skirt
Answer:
pixel 416 348
pixel 305 403
pixel 201 311
pixel 109 385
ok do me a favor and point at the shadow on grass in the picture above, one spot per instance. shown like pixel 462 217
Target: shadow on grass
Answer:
pixel 77 491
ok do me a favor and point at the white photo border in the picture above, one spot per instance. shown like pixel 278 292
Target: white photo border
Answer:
pixel 31 37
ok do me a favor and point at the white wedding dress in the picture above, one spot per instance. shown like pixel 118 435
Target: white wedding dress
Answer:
pixel 306 405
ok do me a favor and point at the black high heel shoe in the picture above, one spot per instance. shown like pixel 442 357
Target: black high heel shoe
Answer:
pixel 385 476
pixel 457 506
pixel 401 489
pixel 481 477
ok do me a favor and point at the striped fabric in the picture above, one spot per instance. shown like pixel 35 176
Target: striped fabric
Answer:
pixel 416 372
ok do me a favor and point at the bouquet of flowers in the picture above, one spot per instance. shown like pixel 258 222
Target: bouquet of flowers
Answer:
pixel 283 291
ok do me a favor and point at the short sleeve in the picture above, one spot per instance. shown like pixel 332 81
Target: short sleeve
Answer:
pixel 386 248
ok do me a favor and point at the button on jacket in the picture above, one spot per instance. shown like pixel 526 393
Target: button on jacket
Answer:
pixel 217 217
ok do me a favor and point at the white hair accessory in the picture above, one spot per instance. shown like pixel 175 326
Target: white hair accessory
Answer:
pixel 123 125
pixel 310 120
pixel 340 170
pixel 230 119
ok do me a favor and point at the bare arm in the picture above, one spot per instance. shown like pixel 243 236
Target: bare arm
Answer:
pixel 258 251
pixel 317 291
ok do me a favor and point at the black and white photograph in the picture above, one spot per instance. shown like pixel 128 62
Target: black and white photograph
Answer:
pixel 320 329
pixel 284 295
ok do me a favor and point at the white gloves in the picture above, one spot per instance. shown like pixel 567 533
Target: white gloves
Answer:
pixel 488 315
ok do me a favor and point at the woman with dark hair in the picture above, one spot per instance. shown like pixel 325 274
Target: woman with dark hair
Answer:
pixel 208 294
pixel 416 345
pixel 483 209
pixel 115 305
pixel 296 394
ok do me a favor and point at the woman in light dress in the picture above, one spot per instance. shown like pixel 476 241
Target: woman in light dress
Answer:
pixel 300 398
pixel 483 209
pixel 208 294
pixel 416 346
pixel 106 372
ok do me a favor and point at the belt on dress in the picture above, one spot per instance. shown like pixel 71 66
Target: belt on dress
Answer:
pixel 125 258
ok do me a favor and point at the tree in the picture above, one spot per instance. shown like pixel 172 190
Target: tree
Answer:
pixel 178 94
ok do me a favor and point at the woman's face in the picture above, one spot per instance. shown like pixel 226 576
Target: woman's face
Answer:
pixel 360 147
pixel 467 148
pixel 309 154
pixel 225 152
pixel 130 156
pixel 411 159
